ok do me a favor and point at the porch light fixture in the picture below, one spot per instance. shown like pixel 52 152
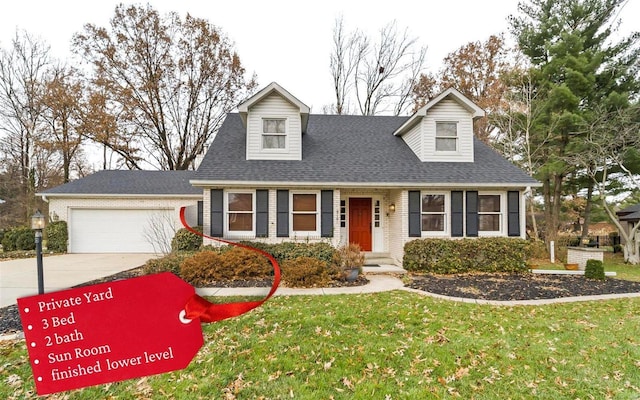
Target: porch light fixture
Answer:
pixel 392 207
pixel 37 224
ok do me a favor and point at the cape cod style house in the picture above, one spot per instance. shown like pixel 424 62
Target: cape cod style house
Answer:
pixel 275 172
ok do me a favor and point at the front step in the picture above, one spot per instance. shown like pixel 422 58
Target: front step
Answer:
pixel 381 263
pixel 378 259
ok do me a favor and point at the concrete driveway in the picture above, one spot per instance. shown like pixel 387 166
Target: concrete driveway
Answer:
pixel 19 278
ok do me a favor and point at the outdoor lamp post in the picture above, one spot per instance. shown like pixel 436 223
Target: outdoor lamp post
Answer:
pixel 37 224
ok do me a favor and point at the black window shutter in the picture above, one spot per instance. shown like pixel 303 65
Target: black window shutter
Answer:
pixel 472 213
pixel 217 212
pixel 200 213
pixel 513 213
pixel 262 213
pixel 457 214
pixel 282 218
pixel 326 213
pixel 415 228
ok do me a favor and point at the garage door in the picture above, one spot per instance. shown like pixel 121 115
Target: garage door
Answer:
pixel 120 231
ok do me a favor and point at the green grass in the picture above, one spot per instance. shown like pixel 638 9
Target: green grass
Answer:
pixel 395 345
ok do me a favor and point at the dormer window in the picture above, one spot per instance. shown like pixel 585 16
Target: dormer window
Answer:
pixel 274 133
pixel 446 136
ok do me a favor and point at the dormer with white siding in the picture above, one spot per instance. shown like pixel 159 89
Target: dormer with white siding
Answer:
pixel 442 130
pixel 275 121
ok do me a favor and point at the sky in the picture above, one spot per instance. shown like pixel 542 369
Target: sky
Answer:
pixel 288 42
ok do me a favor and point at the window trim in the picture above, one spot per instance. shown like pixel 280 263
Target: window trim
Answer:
pixel 285 134
pixel 239 234
pixel 294 233
pixel 501 214
pixel 456 137
pixel 446 232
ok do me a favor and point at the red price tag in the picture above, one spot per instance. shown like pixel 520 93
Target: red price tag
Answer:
pixel 109 332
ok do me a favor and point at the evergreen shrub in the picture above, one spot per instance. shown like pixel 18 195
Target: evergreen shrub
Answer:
pixel 594 270
pixel 448 256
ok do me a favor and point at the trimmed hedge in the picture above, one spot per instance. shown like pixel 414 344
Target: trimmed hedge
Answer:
pixel 446 256
pixel 57 236
pixel 594 270
pixel 291 250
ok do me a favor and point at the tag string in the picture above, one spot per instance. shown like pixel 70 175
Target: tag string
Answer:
pixel 199 307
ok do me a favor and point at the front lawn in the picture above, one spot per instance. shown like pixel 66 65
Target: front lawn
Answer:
pixel 395 345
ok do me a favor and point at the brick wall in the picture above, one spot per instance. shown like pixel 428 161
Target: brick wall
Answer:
pixel 579 255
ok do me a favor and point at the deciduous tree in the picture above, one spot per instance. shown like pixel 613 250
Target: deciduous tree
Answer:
pixel 62 101
pixel 375 76
pixel 168 83
pixel 23 67
pixel 612 151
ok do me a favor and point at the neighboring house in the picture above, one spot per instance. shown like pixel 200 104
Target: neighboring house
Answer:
pixel 628 217
pixel 275 173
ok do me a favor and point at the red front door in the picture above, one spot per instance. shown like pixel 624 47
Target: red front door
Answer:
pixel 360 222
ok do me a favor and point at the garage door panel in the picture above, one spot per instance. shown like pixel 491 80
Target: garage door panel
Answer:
pixel 120 230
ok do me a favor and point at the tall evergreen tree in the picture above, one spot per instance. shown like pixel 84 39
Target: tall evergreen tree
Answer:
pixel 577 67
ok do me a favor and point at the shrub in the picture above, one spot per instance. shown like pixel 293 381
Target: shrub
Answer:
pixel 239 263
pixel 169 263
pixel 21 238
pixel 348 257
pixel 445 256
pixel 290 250
pixel 306 272
pixel 57 236
pixel 185 240
pixel 594 270
pixel 200 268
pixel 537 249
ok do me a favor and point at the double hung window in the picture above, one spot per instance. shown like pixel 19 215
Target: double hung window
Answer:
pixel 433 213
pixel 274 133
pixel 446 136
pixel 305 213
pixel 240 215
pixel 489 213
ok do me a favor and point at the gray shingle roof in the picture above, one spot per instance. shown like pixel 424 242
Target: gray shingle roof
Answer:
pixel 630 217
pixel 352 149
pixel 117 182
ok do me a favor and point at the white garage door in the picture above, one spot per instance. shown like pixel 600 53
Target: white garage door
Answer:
pixel 120 231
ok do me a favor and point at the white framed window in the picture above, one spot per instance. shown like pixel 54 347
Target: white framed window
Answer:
pixel 274 133
pixel 490 213
pixel 240 213
pixel 434 211
pixel 446 136
pixel 305 213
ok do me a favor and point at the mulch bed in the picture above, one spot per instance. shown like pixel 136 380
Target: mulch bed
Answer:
pixel 504 287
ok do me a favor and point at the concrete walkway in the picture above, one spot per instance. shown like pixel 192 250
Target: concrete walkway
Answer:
pixel 19 278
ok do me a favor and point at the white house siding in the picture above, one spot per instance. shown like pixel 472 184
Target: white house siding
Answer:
pixel 62 209
pixel 447 111
pixel 274 106
pixel 413 139
pixel 398 224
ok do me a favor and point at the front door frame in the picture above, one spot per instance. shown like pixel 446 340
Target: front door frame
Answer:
pixel 366 205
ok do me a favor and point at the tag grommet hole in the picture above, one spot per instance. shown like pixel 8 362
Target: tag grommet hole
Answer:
pixel 184 320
